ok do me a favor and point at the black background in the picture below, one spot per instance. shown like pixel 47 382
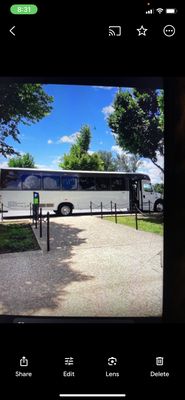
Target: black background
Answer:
pixel 71 43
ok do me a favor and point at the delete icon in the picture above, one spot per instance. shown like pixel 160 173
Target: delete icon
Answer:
pixel 159 361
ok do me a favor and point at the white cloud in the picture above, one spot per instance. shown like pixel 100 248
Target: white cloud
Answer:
pixel 3 164
pixel 117 149
pixel 50 141
pixel 107 110
pixel 69 139
pixel 56 161
pixel 147 167
pixel 53 164
pixel 43 166
pixel 90 152
pixel 104 87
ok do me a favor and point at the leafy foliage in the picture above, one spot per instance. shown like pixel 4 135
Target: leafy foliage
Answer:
pixel 20 103
pixel 25 161
pixel 128 163
pixel 138 122
pixel 159 188
pixel 109 163
pixel 122 162
pixel 78 157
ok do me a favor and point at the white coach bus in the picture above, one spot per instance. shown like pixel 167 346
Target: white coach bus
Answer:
pixel 64 191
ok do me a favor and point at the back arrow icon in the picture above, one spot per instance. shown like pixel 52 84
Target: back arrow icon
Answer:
pixel 11 30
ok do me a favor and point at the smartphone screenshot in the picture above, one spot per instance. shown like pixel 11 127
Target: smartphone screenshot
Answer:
pixel 92 277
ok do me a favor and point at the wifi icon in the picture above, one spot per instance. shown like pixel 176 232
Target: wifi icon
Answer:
pixel 160 10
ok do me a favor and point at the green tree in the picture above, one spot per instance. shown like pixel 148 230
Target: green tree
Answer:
pixel 159 188
pixel 108 160
pixel 79 157
pixel 137 122
pixel 84 139
pixel 25 161
pixel 20 103
pixel 128 162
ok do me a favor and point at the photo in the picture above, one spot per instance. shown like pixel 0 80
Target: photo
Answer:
pixel 81 199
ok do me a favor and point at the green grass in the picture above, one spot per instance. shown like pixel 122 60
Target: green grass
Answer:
pixel 151 224
pixel 17 237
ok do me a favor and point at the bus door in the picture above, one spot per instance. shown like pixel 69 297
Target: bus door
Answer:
pixel 135 194
pixel 148 195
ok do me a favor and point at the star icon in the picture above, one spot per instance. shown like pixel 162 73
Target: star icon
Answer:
pixel 142 31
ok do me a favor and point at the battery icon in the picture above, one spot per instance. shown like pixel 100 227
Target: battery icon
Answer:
pixel 171 10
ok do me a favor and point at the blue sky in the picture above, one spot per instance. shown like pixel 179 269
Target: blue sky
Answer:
pixel 73 107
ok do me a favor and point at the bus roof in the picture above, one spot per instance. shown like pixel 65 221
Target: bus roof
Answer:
pixel 139 174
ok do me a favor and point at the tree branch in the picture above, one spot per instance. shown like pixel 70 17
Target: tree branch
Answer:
pixel 158 166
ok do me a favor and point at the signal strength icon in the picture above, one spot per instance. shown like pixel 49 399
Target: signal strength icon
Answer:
pixel 151 11
pixel 115 30
pixel 160 10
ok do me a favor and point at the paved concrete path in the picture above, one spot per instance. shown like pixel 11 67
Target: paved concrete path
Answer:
pixel 95 268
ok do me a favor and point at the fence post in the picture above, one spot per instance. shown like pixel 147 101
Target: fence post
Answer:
pixel 48 244
pixel 32 215
pixel 91 207
pixel 116 214
pixel 36 217
pixel 40 222
pixel 101 205
pixel 136 220
pixel 149 206
pixel 111 206
pixel 1 212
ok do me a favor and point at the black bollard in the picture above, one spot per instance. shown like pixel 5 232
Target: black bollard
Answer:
pixel 136 220
pixel 48 244
pixel 40 222
pixel 116 220
pixel 101 205
pixel 1 212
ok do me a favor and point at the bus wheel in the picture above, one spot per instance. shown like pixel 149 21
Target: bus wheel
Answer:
pixel 65 209
pixel 159 206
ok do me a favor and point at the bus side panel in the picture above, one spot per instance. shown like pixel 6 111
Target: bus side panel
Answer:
pixel 21 200
pixel 81 199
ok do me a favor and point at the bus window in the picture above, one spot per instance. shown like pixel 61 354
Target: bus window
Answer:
pixel 117 183
pixel 11 180
pixel 87 183
pixel 31 182
pixel 147 187
pixel 69 183
pixel 51 182
pixel 102 183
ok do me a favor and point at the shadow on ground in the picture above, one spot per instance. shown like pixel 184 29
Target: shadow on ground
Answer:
pixel 32 282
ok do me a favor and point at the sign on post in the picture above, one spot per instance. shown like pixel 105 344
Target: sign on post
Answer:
pixel 36 202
